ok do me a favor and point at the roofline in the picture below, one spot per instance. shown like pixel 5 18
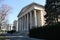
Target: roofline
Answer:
pixel 30 5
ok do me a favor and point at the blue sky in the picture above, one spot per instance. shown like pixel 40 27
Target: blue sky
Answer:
pixel 17 5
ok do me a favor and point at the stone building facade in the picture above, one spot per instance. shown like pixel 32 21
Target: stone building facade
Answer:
pixel 31 16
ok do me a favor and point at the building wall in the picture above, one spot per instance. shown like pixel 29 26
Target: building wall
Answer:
pixel 38 18
pixel 22 25
pixel 15 25
pixel 26 11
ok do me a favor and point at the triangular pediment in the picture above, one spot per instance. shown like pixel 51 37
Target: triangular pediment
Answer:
pixel 30 5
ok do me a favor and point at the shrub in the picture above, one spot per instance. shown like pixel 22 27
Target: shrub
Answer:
pixel 46 32
pixel 12 31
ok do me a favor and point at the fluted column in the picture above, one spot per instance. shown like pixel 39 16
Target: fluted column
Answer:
pixel 35 18
pixel 24 22
pixel 42 17
pixel 30 20
pixel 21 24
pixel 27 22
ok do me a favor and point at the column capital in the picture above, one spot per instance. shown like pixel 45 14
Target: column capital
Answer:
pixel 34 9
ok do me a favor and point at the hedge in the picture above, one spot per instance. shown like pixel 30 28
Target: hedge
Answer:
pixel 46 32
pixel 12 31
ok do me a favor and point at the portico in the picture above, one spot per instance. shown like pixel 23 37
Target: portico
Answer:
pixel 30 16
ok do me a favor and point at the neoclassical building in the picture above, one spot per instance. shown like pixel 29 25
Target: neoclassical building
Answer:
pixel 31 16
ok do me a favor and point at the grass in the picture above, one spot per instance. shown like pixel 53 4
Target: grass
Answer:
pixel 4 38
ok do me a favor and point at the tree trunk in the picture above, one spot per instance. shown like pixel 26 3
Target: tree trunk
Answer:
pixel 57 19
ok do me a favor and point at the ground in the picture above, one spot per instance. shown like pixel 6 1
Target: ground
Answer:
pixel 19 36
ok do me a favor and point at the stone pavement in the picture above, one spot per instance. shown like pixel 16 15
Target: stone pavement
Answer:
pixel 21 38
pixel 18 36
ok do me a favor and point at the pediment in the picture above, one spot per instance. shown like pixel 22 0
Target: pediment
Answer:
pixel 34 5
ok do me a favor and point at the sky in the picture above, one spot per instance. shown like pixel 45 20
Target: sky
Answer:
pixel 17 5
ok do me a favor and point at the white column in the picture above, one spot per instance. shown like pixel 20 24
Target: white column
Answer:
pixel 23 22
pixel 21 25
pixel 42 17
pixel 17 26
pixel 35 18
pixel 27 22
pixel 30 20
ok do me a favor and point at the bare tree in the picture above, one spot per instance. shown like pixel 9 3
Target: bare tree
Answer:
pixel 3 13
